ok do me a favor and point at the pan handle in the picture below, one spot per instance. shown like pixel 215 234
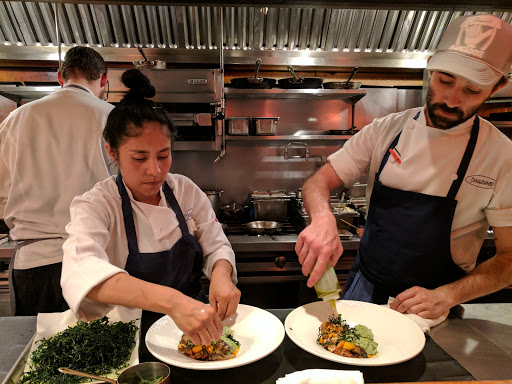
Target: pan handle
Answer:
pixel 295 78
pixel 258 63
pixel 352 74
pixel 142 53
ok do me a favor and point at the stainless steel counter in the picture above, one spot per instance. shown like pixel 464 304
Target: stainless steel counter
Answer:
pixel 477 336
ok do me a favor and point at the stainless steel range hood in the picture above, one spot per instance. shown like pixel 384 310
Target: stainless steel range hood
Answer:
pixel 323 33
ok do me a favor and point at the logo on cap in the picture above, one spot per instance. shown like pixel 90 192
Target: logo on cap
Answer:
pixel 476 34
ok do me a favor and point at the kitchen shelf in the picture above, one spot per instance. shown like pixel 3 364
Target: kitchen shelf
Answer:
pixel 290 138
pixel 180 145
pixel 352 94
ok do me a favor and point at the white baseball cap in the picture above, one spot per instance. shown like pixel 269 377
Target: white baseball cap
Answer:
pixel 477 48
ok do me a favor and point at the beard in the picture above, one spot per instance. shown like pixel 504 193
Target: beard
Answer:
pixel 443 122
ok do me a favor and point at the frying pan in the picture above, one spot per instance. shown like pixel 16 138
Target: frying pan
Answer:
pixel 264 227
pixel 253 82
pixel 131 375
pixel 300 82
pixel 344 84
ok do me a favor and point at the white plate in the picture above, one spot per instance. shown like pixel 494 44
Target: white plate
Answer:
pixel 258 331
pixel 399 338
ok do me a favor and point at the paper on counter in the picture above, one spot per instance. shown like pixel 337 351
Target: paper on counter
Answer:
pixel 49 324
pixel 322 376
pixel 424 324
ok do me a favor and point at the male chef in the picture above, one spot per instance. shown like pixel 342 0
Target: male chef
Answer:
pixel 50 152
pixel 438 177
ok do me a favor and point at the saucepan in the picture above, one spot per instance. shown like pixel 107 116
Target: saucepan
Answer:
pixel 235 211
pixel 344 84
pixel 263 227
pixel 253 82
pixel 152 373
pixel 300 82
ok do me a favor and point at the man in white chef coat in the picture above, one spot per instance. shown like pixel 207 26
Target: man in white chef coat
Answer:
pixel 50 152
pixel 438 177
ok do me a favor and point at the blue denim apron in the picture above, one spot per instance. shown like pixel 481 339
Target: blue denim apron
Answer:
pixel 179 267
pixel 406 240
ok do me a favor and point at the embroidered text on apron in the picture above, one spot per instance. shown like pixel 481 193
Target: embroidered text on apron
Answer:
pixel 406 241
pixel 179 267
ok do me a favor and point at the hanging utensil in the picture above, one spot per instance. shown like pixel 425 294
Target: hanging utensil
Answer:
pixel 148 64
pixel 344 84
pixel 253 82
pixel 300 82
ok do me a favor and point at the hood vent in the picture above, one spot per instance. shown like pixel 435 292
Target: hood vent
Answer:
pixel 196 28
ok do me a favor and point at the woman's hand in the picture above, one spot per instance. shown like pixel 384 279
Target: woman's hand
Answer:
pixel 224 295
pixel 197 320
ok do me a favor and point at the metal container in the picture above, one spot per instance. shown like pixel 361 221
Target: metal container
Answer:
pixel 270 205
pixel 264 126
pixel 238 126
pixel 214 197
pixel 275 209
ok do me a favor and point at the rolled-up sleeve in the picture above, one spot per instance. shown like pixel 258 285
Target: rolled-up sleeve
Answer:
pixel 499 210
pixel 352 160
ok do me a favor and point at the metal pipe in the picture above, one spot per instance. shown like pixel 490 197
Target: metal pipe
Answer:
pixel 222 100
pixel 57 5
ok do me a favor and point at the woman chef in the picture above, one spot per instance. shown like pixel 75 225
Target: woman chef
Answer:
pixel 143 239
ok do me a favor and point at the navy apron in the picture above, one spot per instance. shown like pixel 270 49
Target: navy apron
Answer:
pixel 406 240
pixel 180 267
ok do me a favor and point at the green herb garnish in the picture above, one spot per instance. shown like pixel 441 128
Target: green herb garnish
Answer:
pixel 97 347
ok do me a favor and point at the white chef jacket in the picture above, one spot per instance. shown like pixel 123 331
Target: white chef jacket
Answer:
pixel 50 152
pixel 97 246
pixel 430 159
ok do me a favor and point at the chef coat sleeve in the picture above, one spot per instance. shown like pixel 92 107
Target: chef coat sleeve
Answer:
pixel 352 160
pixel 499 210
pixel 86 262
pixel 210 234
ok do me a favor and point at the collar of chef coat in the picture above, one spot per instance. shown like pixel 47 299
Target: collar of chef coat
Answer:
pixel 467 125
pixel 82 87
pixel 161 217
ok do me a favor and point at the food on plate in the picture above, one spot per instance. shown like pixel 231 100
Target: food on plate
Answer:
pixel 338 337
pixel 225 348
pixel 97 347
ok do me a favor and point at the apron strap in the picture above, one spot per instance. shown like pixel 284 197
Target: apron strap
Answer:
pixel 466 159
pixel 171 199
pixel 129 225
pixel 391 146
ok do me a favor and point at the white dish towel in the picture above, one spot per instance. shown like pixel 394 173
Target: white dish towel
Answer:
pixel 424 324
pixel 322 376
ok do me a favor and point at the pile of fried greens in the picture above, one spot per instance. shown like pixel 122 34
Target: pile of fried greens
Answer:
pixel 97 347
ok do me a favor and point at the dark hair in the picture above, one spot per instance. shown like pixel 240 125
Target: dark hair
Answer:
pixel 501 81
pixel 84 62
pixel 127 118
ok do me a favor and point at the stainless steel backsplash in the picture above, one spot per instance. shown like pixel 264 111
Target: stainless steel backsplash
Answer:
pixel 258 164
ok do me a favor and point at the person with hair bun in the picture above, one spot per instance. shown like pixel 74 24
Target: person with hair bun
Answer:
pixel 143 239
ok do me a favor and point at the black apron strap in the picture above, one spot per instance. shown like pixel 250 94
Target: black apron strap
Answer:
pixel 169 195
pixel 466 159
pixel 129 224
pixel 391 146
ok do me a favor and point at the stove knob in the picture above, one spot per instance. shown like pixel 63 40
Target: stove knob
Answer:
pixel 280 262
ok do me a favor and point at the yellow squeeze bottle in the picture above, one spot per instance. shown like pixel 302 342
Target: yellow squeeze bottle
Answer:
pixel 328 287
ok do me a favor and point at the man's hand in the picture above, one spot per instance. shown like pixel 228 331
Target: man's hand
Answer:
pixel 318 244
pixel 429 304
